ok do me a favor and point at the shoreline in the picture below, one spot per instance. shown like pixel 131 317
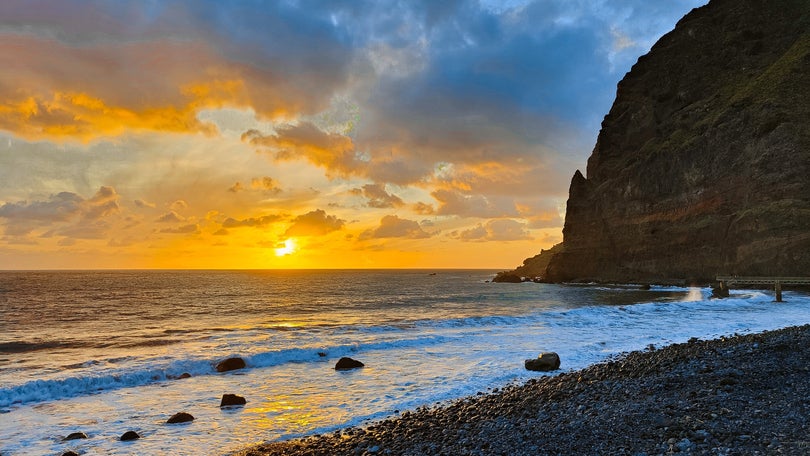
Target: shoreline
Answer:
pixel 743 394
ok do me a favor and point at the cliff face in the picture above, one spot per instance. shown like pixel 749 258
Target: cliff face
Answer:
pixel 702 165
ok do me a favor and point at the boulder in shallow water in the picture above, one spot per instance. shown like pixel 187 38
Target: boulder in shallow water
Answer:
pixel 230 364
pixel 70 453
pixel 507 277
pixel 232 399
pixel 545 362
pixel 181 417
pixel 184 375
pixel 130 435
pixel 346 363
pixel 720 291
pixel 76 436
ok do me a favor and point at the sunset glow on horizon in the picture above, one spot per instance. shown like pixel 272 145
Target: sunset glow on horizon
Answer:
pixel 258 134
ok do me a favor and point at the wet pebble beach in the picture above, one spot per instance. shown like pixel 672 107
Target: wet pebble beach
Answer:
pixel 740 395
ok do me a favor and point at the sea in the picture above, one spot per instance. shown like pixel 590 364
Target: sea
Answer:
pixel 101 352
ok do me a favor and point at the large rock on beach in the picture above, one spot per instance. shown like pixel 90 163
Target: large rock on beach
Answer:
pixel 544 363
pixel 129 435
pixel 181 417
pixel 75 436
pixel 232 399
pixel 346 363
pixel 70 453
pixel 230 364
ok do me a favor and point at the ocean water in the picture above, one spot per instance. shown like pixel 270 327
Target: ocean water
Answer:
pixel 100 352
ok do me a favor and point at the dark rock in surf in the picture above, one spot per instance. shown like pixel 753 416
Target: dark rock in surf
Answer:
pixel 75 436
pixel 502 277
pixel 181 417
pixel 545 362
pixel 70 453
pixel 232 399
pixel 720 291
pixel 230 364
pixel 130 435
pixel 348 363
pixel 184 375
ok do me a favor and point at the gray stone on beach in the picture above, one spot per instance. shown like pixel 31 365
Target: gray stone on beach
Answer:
pixel 181 417
pixel 232 399
pixel 545 362
pixel 230 364
pixel 346 363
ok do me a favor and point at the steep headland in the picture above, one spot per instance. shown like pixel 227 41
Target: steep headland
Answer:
pixel 702 165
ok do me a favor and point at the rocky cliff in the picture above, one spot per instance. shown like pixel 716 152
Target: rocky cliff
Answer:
pixel 702 165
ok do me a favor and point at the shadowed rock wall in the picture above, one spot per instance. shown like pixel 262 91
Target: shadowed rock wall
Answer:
pixel 702 165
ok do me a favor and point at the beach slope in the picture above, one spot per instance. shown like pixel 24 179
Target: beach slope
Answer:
pixel 746 394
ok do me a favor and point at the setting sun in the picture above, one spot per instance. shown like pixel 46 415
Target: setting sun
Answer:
pixel 287 247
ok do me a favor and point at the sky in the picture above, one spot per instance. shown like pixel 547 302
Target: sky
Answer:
pixel 302 134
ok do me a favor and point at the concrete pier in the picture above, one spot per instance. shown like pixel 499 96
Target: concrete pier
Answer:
pixel 727 281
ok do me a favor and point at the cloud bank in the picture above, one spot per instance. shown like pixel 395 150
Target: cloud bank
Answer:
pixel 135 123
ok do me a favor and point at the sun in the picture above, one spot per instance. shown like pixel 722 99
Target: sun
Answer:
pixel 287 247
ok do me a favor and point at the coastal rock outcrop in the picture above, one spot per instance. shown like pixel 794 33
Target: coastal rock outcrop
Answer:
pixel 701 165
pixel 181 417
pixel 506 277
pixel 346 363
pixel 231 400
pixel 546 362
pixel 230 364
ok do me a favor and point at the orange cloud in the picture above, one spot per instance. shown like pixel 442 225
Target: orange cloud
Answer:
pixel 423 208
pixel 251 221
pixel 378 197
pixel 170 217
pixel 79 116
pixel 314 223
pixel 191 228
pixel 265 183
pixel 334 152
pixel 495 230
pixel 392 226
pixel 55 91
pixel 473 205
